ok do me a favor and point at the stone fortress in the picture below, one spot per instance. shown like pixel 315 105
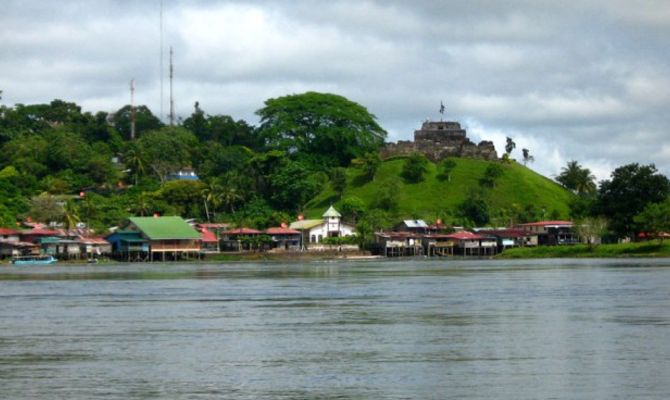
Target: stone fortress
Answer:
pixel 439 140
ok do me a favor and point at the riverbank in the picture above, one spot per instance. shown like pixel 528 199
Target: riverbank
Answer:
pixel 619 250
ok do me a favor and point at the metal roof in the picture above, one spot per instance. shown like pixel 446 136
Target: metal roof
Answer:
pixel 415 223
pixel 331 212
pixel 157 228
pixel 306 224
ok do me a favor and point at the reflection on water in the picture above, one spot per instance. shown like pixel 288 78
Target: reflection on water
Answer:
pixel 402 329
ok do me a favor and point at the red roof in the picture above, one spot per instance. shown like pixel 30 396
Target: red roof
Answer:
pixel 548 223
pixel 41 232
pixel 465 235
pixel 93 240
pixel 243 231
pixel 214 225
pixel 281 231
pixel 208 236
pixel 6 231
pixel 506 233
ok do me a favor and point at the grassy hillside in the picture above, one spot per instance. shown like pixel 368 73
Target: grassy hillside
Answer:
pixel 517 188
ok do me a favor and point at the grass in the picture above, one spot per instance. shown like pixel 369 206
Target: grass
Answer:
pixel 642 249
pixel 518 187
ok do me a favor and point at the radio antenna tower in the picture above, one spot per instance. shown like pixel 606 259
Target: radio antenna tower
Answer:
pixel 132 109
pixel 171 97
pixel 162 114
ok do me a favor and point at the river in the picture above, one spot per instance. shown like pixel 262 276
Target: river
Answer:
pixel 401 329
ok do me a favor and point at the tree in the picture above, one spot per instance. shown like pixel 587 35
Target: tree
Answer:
pixel 145 121
pixel 446 167
pixel 577 179
pixel 352 208
pixel 369 163
pixel 591 230
pixel 387 196
pixel 338 180
pixel 167 150
pixel 327 128
pixel 45 208
pixel 509 146
pixel 414 168
pixel 654 219
pixel 527 157
pixel 474 209
pixel 491 174
pixel 293 185
pixel 631 188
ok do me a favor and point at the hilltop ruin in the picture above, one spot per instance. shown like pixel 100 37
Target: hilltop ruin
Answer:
pixel 439 140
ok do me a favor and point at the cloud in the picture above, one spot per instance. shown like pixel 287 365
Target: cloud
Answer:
pixel 586 82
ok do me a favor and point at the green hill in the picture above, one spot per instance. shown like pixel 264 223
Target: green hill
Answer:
pixel 518 194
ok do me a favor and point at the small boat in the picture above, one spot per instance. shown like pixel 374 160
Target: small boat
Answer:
pixel 34 260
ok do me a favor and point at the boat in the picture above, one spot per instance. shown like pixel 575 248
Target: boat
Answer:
pixel 34 260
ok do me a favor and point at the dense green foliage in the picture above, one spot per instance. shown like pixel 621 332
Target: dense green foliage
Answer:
pixel 325 129
pixel 631 188
pixel 65 166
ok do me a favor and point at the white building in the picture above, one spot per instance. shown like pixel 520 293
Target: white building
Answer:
pixel 314 230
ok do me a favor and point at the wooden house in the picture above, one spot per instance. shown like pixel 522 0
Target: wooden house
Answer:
pixel 284 238
pixel 473 244
pixel 9 235
pixel 507 238
pixel 552 233
pixel 399 244
pixel 234 239
pixel 168 238
pixel 128 245
pixel 412 225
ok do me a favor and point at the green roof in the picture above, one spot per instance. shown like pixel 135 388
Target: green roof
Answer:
pixel 157 228
pixel 306 224
pixel 331 212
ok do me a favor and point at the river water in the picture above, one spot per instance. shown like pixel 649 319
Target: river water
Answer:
pixel 550 329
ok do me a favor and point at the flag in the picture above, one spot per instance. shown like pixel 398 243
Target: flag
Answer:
pixel 441 108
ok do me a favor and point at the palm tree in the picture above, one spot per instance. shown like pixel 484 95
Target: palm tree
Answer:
pixel 70 215
pixel 134 161
pixel 576 178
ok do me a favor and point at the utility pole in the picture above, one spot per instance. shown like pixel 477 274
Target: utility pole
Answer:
pixel 171 98
pixel 162 116
pixel 132 109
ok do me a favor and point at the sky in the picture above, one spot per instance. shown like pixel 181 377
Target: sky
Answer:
pixel 589 82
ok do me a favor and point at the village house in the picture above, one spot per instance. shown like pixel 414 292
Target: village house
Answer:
pixel 129 245
pixel 551 233
pixel 399 244
pixel 473 244
pixel 284 238
pixel 412 225
pixel 11 245
pixel 238 239
pixel 164 238
pixel 315 230
pixel 508 238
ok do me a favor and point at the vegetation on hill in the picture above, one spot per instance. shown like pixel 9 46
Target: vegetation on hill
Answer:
pixel 512 194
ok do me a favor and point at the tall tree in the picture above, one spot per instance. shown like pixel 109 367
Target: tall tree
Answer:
pixel 326 129
pixel 577 179
pixel 526 156
pixel 145 120
pixel 629 190
pixel 167 150
pixel 509 146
